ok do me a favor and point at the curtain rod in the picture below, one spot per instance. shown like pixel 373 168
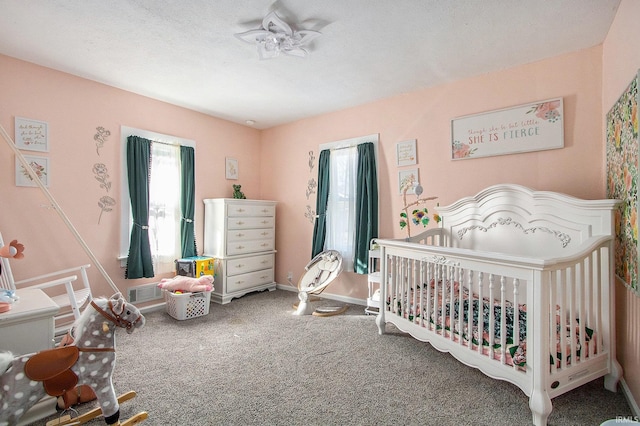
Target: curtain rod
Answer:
pixel 344 147
pixel 354 145
pixel 161 143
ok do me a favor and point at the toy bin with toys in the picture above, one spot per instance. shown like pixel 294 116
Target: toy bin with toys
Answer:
pixel 182 306
pixel 195 266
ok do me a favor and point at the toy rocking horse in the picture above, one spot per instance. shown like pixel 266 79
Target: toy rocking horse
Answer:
pixel 89 360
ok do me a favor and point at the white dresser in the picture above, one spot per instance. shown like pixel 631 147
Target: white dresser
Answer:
pixel 240 234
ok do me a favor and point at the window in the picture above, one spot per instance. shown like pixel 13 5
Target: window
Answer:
pixel 347 204
pixel 164 206
pixel 341 212
pixel 166 220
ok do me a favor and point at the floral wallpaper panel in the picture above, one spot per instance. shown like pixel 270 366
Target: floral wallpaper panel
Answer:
pixel 622 181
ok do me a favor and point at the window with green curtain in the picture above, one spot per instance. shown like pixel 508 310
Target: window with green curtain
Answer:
pixel 344 222
pixel 319 228
pixel 161 187
pixel 139 263
pixel 187 202
pixel 366 206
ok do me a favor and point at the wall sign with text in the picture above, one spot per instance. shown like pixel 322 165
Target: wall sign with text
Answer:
pixel 531 127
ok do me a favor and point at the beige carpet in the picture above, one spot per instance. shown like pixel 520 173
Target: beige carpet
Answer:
pixel 251 362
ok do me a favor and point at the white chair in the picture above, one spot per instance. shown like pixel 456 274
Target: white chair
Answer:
pixel 70 302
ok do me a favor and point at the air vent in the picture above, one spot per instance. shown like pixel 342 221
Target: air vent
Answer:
pixel 144 293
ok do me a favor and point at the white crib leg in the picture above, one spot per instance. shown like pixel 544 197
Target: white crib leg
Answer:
pixel 540 405
pixel 611 380
pixel 380 322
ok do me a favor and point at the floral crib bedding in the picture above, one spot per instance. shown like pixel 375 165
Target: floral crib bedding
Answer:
pixel 515 349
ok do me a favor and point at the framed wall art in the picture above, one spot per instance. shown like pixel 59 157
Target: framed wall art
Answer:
pixel 406 153
pixel 40 166
pixel 407 174
pixel 231 168
pixel 530 127
pixel 622 181
pixel 31 135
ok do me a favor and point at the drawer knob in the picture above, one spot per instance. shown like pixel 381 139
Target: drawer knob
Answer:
pixel 265 233
pixel 265 222
pixel 264 262
pixel 240 282
pixel 239 222
pixel 240 247
pixel 240 265
pixel 265 210
pixel 240 210
pixel 264 244
pixel 239 234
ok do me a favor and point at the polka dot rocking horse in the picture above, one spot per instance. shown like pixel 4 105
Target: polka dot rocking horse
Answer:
pixel 89 360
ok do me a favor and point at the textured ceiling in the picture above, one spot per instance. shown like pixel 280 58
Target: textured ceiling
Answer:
pixel 184 51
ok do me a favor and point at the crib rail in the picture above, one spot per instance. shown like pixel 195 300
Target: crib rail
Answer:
pixel 504 314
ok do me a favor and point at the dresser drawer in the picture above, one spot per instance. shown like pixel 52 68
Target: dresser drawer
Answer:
pixel 243 210
pixel 249 264
pixel 252 279
pixel 250 222
pixel 250 234
pixel 250 246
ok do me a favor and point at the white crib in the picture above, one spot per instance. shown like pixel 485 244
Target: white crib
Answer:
pixel 516 283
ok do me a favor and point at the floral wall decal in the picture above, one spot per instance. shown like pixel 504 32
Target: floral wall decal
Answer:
pixel 101 137
pixel 311 159
pixel 106 204
pixel 311 186
pixel 310 214
pixel 102 175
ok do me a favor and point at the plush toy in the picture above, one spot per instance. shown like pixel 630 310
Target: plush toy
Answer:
pixel 187 284
pixel 237 193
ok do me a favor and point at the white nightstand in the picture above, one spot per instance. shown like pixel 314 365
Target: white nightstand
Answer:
pixel 29 326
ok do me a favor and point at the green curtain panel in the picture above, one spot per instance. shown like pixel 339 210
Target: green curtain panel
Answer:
pixel 366 206
pixel 187 202
pixel 319 229
pixel 139 262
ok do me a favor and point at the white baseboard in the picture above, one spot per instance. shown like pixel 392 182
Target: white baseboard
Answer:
pixel 325 295
pixel 630 399
pixel 152 308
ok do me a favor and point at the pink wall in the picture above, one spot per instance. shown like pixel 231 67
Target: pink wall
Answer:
pixel 621 60
pixel 73 108
pixel 426 116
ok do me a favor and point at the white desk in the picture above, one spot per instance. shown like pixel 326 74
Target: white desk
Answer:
pixel 28 326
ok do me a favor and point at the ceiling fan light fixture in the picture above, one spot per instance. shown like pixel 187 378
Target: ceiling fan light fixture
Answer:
pixel 276 36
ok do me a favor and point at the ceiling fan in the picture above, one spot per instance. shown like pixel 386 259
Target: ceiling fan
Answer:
pixel 276 37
